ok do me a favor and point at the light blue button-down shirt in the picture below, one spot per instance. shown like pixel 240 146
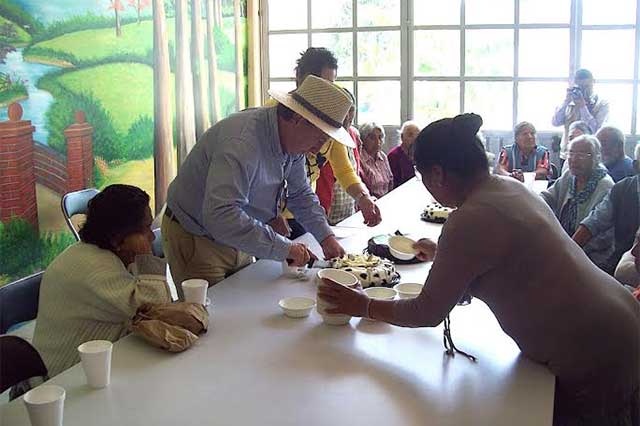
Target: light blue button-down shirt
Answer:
pixel 229 185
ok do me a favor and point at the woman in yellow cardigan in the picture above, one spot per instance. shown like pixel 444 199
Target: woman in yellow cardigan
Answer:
pixel 322 63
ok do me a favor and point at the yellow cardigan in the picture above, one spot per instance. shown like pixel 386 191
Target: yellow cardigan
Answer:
pixel 337 155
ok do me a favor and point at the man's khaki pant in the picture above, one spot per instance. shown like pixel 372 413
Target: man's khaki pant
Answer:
pixel 193 256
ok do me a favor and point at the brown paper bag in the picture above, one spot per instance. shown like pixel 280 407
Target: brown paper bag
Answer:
pixel 192 316
pixel 162 335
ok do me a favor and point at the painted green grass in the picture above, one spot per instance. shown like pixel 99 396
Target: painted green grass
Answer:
pixel 22 37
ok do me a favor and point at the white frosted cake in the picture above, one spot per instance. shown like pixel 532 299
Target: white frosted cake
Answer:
pixel 437 213
pixel 372 271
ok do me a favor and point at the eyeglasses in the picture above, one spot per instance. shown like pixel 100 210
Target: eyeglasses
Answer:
pixel 579 155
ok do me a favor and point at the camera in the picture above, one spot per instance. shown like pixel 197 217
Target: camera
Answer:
pixel 576 92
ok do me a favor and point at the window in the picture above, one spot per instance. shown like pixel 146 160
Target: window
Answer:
pixel 508 60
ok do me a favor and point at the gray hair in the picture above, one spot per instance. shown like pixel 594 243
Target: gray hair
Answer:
pixel 618 136
pixel 367 128
pixel 580 125
pixel 520 127
pixel 407 124
pixel 596 149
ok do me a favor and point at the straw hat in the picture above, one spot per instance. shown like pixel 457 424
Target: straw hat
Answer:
pixel 322 103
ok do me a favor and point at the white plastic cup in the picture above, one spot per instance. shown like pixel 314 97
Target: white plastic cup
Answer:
pixel 195 290
pixel 45 405
pixel 529 178
pixel 344 278
pixel 293 271
pixel 96 362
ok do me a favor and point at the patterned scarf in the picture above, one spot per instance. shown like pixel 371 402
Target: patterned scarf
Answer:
pixel 569 213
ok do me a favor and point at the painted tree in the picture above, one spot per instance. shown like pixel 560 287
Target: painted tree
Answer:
pixel 199 69
pixel 163 121
pixel 139 6
pixel 117 6
pixel 184 83
pixel 214 94
pixel 240 103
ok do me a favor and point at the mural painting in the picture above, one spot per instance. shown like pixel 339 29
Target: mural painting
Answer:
pixel 116 91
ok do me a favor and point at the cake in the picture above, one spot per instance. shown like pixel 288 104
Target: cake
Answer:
pixel 372 271
pixel 437 213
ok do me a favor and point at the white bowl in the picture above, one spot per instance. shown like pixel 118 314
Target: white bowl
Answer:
pixel 297 307
pixel 408 290
pixel 380 293
pixel 402 247
pixel 339 276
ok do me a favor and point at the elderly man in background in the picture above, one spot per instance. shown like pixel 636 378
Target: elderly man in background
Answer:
pixel 374 165
pixel 239 176
pixel 619 165
pixel 619 211
pixel 525 155
pixel 580 103
pixel 401 157
pixel 576 193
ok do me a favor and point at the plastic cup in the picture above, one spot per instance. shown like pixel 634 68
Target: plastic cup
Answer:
pixel 195 290
pixel 529 178
pixel 293 271
pixel 338 276
pixel 45 405
pixel 96 362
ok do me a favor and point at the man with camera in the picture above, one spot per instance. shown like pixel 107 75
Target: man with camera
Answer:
pixel 580 104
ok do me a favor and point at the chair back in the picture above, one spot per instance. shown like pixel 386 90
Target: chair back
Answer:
pixel 156 247
pixel 19 361
pixel 74 203
pixel 19 301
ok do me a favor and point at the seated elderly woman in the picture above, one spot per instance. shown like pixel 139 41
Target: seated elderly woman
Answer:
pixel 93 288
pixel 525 155
pixel 628 269
pixel 401 157
pixel 375 170
pixel 579 190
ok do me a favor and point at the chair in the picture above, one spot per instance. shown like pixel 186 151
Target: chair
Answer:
pixel 156 246
pixel 19 301
pixel 74 203
pixel 19 361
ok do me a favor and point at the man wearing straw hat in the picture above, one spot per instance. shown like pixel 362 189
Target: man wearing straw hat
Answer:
pixel 239 177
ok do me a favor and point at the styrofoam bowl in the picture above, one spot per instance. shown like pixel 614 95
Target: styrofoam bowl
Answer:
pixel 297 307
pixel 402 247
pixel 408 290
pixel 339 276
pixel 380 293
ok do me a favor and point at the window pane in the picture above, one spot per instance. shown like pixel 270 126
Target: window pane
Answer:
pixel 545 11
pixel 347 85
pixel 330 13
pixel 497 12
pixel 281 11
pixel 493 101
pixel 544 53
pixel 489 52
pixel 341 44
pixel 537 102
pixel 436 12
pixel 379 101
pixel 608 12
pixel 284 50
pixel 282 86
pixel 438 53
pixel 608 54
pixel 620 98
pixel 377 13
pixel 379 53
pixel 434 100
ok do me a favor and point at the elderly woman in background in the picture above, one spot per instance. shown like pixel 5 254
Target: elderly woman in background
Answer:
pixel 579 190
pixel 401 157
pixel 376 173
pixel 525 155
pixel 93 288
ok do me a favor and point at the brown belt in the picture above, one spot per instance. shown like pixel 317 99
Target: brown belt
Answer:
pixel 170 215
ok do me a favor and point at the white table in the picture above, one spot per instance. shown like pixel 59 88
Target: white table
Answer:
pixel 256 366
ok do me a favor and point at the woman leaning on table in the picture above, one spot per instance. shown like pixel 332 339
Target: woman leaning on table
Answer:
pixel 564 312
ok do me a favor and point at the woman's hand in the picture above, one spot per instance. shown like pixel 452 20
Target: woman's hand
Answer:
pixel 345 300
pixel 426 249
pixel 370 211
pixel 133 245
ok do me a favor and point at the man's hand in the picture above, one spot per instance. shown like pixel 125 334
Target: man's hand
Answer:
pixel 331 248
pixel 518 175
pixel 299 255
pixel 426 249
pixel 370 211
pixel 280 225
pixel 582 235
